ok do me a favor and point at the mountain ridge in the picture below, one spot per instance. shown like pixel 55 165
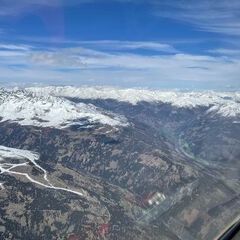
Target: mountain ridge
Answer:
pixel 224 103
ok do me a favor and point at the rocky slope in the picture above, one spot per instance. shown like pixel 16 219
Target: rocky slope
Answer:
pixel 119 149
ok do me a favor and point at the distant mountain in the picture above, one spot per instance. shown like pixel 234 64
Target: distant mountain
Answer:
pixel 224 103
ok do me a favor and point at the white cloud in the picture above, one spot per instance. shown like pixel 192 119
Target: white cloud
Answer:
pixel 15 47
pixel 130 45
pixel 11 53
pixel 220 16
pixel 86 66
pixel 81 57
pixel 226 52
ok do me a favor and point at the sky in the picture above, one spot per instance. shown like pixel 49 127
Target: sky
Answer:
pixel 183 44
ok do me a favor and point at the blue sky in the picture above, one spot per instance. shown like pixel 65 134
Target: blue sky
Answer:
pixel 127 43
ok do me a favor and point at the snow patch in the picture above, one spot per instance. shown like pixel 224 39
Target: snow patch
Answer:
pixel 6 167
pixel 8 153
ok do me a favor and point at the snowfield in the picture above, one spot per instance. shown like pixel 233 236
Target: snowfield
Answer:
pixel 225 103
pixel 6 152
pixel 49 111
pixel 48 106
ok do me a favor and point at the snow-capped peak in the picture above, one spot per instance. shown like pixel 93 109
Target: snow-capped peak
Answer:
pixel 28 108
pixel 225 103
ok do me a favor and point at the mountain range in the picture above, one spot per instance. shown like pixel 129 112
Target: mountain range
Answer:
pixel 110 163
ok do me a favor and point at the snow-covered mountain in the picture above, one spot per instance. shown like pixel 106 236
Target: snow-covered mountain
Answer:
pixel 225 103
pixel 27 108
pixel 184 145
pixel 49 106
